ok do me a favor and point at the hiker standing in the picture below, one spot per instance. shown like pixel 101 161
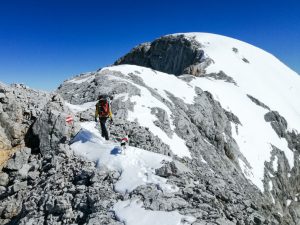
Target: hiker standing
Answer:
pixel 103 111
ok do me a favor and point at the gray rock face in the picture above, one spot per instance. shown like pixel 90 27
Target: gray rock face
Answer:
pixel 53 186
pixel 68 190
pixel 278 123
pixel 19 108
pixel 18 160
pixel 221 76
pixel 167 170
pixel 284 180
pixel 259 103
pixel 3 179
pixel 51 128
pixel 170 54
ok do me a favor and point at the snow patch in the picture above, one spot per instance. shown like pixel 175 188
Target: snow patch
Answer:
pixel 130 212
pixel 161 82
pixel 275 164
pixel 270 185
pixel 136 166
pixel 273 200
pixel 142 114
pixel 81 108
pixel 203 160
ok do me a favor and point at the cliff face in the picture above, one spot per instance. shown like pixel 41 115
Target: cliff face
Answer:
pixel 19 108
pixel 207 149
pixel 173 54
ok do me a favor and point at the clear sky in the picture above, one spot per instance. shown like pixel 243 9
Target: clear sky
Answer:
pixel 44 42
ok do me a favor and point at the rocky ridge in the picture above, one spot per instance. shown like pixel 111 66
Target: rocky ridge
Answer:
pixel 45 183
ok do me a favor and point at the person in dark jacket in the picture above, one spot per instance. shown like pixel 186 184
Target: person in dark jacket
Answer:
pixel 103 111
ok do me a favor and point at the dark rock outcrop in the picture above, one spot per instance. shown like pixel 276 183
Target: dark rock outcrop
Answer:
pixel 278 122
pixel 259 103
pixel 170 54
pixel 282 182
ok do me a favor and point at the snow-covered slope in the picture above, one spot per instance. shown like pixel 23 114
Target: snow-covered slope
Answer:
pixel 255 73
pixel 262 76
pixel 229 117
pixel 213 136
pixel 136 166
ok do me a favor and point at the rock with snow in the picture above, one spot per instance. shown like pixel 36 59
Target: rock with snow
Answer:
pixel 278 122
pixel 208 139
pixel 168 169
pixel 221 147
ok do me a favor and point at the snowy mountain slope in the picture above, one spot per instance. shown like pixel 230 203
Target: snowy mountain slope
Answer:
pixel 254 146
pixel 145 102
pixel 261 76
pixel 256 73
pixel 220 113
pixel 236 116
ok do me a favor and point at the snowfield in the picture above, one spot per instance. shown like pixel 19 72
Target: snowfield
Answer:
pixel 136 166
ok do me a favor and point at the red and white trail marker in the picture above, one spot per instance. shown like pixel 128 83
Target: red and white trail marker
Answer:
pixel 69 119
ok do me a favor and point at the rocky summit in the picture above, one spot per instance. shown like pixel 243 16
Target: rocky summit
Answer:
pixel 212 124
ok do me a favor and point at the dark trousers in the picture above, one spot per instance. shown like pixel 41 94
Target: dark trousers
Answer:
pixel 103 127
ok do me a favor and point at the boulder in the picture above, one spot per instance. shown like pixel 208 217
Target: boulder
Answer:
pixel 4 179
pixel 19 159
pixel 51 128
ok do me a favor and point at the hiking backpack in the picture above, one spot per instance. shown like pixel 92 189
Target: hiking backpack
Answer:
pixel 103 107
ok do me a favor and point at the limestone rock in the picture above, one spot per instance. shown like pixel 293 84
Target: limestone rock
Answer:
pixel 4 179
pixel 19 159
pixel 51 128
pixel 170 54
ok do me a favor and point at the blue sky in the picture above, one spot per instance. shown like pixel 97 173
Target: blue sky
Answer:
pixel 44 42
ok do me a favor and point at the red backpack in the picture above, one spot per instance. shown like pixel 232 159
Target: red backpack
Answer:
pixel 103 108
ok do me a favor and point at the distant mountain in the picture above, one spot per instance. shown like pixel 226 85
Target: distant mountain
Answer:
pixel 213 139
